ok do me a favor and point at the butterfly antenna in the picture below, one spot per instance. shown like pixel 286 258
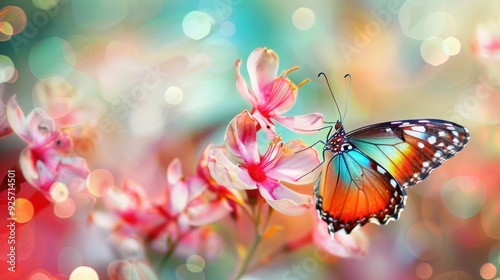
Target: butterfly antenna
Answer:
pixel 348 93
pixel 331 93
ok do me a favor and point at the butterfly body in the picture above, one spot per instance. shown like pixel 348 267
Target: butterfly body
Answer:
pixel 366 171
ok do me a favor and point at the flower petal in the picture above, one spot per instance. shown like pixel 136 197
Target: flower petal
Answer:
pixel 296 160
pixel 241 138
pixel 305 124
pixel 205 214
pixel 174 171
pixel 262 66
pixel 27 163
pixel 283 199
pixel 226 173
pixel 241 85
pixel 41 128
pixel 4 123
pixel 178 199
pixel 280 97
pixel 265 124
pixel 16 119
pixel 353 245
pixel 196 186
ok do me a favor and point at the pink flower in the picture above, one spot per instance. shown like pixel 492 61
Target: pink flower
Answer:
pixel 240 166
pixel 215 191
pixel 170 219
pixel 353 245
pixel 131 270
pixel 486 43
pixel 137 213
pixel 46 159
pixel 272 96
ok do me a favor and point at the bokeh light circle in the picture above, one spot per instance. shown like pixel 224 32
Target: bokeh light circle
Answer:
pixel 424 270
pixel 488 271
pixel 432 51
pixel 227 28
pixel 84 273
pixel 451 46
pixel 59 192
pixel 174 95
pixel 99 182
pixel 195 263
pixel 15 17
pixel 416 18
pixel 24 210
pixel 489 219
pixel 303 18
pixel 464 196
pixel 45 4
pixel 48 57
pixel 39 275
pixel 197 25
pixel 84 204
pixel 6 69
pixel 6 31
pixel 64 209
pixel 54 95
pixel 424 240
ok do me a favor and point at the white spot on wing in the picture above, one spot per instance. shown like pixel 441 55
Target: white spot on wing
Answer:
pixel 380 170
pixel 441 133
pixel 418 128
pixel 420 145
pixel 393 183
pixel 431 140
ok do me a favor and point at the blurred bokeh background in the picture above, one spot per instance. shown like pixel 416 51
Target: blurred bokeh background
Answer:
pixel 162 74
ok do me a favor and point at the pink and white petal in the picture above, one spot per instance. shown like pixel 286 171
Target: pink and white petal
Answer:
pixel 284 199
pixel 227 174
pixel 196 186
pixel 296 160
pixel 241 85
pixel 76 165
pixel 16 119
pixel 27 163
pixel 205 214
pixel 135 194
pixel 174 171
pixel 45 177
pixel 241 138
pixel 305 124
pixel 4 123
pixel 353 245
pixel 281 96
pixel 262 67
pixel 41 128
pixel 178 197
pixel 202 166
pixel 265 124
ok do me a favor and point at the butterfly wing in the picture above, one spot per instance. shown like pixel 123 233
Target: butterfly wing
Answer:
pixel 353 190
pixel 410 149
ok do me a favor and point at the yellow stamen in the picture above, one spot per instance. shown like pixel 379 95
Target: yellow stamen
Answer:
pixel 291 70
pixel 304 82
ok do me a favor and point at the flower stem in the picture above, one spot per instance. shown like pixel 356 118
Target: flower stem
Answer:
pixel 173 246
pixel 249 256
pixel 256 219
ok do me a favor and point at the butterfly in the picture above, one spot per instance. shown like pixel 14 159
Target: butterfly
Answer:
pixel 366 172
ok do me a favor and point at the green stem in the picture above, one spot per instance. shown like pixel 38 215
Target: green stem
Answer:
pixel 171 250
pixel 249 256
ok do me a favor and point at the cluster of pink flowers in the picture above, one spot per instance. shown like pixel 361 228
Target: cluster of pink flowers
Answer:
pixel 230 179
